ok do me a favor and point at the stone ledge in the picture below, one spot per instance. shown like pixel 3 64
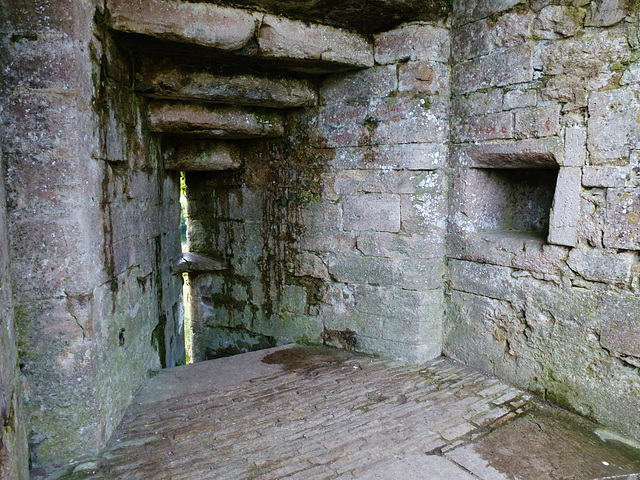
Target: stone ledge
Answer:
pixel 529 153
pixel 169 81
pixel 210 121
pixel 190 262
pixel 240 31
pixel 202 156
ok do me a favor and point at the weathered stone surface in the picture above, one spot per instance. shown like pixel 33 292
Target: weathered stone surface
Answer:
pixel 604 177
pixel 537 122
pixel 356 268
pixel 575 147
pixel 465 11
pixel 171 82
pixel 605 13
pixel 613 126
pixel 412 42
pixel 519 99
pixel 202 156
pixel 622 228
pixel 282 38
pixel 526 153
pixel 565 212
pixel 200 120
pixel 361 86
pixel 620 336
pixel 199 23
pixel 601 266
pixel 493 126
pixel 559 21
pixel 424 77
pixel 190 262
pixel 373 212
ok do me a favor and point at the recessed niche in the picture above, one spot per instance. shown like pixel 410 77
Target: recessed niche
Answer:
pixel 515 199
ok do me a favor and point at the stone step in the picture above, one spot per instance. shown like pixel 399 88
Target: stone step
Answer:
pixel 214 121
pixel 170 81
pixel 191 262
pixel 202 156
pixel 302 45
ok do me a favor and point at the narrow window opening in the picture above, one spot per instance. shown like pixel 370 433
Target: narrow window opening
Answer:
pixel 186 288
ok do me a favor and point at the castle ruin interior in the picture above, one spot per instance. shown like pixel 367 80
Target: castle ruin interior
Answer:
pixel 410 178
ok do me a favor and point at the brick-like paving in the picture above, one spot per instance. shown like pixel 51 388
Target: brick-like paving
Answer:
pixel 311 413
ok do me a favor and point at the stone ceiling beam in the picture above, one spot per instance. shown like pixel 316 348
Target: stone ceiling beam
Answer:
pixel 263 36
pixel 206 121
pixel 169 81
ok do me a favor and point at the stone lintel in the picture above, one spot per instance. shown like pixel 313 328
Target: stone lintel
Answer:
pixel 203 156
pixel 529 153
pixel 174 83
pixel 298 43
pixel 190 262
pixel 207 121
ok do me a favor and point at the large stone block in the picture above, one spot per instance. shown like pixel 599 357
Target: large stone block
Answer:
pixel 198 23
pixel 556 21
pixel 525 153
pixel 601 266
pixel 565 212
pixel 371 212
pixel 422 245
pixel 355 268
pixel 281 38
pixel 604 13
pixel 429 77
pixel 498 69
pixel 412 42
pixel 465 11
pixel 220 122
pixel 478 103
pixel 360 86
pixel 537 122
pixel 604 177
pixel 202 156
pixel 622 227
pixel 172 82
pixel 493 126
pixel 411 156
pixel 613 127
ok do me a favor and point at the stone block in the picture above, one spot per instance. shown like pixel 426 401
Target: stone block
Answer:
pixel 526 153
pixel 281 38
pixel 422 328
pixel 408 119
pixel 575 147
pixel 559 21
pixel 478 103
pixel 465 11
pixel 202 156
pixel 198 23
pixel 419 274
pixel 424 77
pixel 601 265
pixel 613 126
pixel 190 262
pixel 519 99
pixel 622 227
pixel 341 126
pixel 169 81
pixel 493 126
pixel 391 302
pixel 355 268
pixel 620 334
pixel 490 34
pixel 604 177
pixel 360 86
pixel 350 182
pixel 371 212
pixel 604 13
pixel 201 120
pixel 498 69
pixel 423 212
pixel 631 75
pixel 412 43
pixel 311 265
pixel 422 245
pixel 565 212
pixel 411 156
pixel 537 122
pixel 484 279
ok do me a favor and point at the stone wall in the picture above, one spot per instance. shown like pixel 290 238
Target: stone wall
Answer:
pixel 545 112
pixel 13 440
pixel 334 233
pixel 93 224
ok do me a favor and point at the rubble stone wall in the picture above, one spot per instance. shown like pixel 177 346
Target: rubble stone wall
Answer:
pixel 92 223
pixel 546 99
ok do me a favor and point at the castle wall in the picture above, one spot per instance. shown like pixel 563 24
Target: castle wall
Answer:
pixel 90 218
pixel 545 113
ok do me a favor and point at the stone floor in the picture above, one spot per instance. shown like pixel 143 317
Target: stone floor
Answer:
pixel 314 413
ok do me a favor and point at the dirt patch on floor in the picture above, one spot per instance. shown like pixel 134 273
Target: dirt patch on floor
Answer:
pixel 309 359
